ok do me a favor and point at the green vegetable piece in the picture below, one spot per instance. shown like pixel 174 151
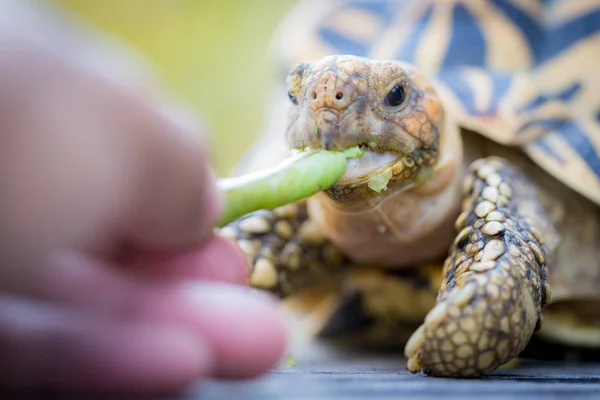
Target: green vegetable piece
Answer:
pixel 379 182
pixel 299 177
pixel 290 362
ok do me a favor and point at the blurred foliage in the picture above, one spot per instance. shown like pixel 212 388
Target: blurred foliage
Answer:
pixel 211 53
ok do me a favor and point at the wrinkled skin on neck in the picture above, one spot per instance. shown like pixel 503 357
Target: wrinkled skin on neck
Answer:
pixel 395 115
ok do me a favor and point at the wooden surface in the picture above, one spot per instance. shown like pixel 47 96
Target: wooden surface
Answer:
pixel 362 379
pixel 325 372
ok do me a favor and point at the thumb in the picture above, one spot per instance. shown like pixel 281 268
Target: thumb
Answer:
pixel 176 201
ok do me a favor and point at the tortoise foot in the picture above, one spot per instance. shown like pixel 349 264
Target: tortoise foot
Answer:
pixel 480 324
pixel 494 286
pixel 285 251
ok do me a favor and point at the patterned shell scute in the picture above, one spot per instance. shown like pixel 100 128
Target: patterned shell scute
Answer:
pixel 521 72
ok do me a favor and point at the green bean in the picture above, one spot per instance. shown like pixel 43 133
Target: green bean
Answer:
pixel 296 178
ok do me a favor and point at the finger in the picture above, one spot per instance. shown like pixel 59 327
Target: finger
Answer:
pixel 244 329
pixel 85 163
pixel 176 200
pixel 218 260
pixel 79 280
pixel 45 347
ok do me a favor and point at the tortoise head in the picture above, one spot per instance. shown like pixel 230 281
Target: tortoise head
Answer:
pixel 385 107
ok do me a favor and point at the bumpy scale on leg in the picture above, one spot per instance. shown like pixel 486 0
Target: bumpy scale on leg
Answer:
pixel 285 250
pixel 494 288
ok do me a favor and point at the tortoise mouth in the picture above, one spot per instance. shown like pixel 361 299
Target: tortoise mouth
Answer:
pixel 371 163
pixel 378 170
pixel 382 171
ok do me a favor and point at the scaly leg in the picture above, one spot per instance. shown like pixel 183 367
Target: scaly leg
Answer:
pixel 494 288
pixel 285 250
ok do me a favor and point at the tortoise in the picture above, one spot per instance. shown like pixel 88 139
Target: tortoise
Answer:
pixel 473 215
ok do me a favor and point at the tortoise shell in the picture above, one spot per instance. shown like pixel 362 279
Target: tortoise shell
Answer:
pixel 520 72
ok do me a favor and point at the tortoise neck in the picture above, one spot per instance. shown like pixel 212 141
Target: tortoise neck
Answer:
pixel 402 227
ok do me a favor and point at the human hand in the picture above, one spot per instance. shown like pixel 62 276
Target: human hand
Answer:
pixel 111 278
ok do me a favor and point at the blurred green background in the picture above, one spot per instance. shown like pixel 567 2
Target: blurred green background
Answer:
pixel 211 53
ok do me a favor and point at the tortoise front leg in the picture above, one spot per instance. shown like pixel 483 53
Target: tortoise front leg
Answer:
pixel 285 250
pixel 494 288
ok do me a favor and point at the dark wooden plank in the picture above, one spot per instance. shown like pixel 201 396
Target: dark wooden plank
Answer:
pixel 384 380
pixel 327 373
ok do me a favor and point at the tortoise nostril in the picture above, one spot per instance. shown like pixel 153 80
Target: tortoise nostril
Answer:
pixel 313 95
pixel 339 95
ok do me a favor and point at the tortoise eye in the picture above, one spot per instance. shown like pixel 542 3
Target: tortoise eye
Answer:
pixel 396 96
pixel 293 98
